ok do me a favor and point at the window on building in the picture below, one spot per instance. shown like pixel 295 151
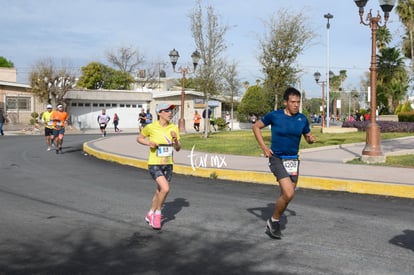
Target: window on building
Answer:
pixel 114 105
pixel 87 104
pixel 18 103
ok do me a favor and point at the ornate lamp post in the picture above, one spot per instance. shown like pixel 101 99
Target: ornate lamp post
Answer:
pixel 372 151
pixel 174 55
pixel 317 76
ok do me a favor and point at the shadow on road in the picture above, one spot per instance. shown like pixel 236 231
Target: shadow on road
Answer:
pixel 172 208
pixel 405 240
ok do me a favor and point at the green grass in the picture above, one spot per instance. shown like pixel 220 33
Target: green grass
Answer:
pixel 243 143
pixel 401 161
pixel 405 161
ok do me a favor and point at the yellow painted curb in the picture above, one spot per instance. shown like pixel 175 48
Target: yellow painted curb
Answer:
pixel 352 186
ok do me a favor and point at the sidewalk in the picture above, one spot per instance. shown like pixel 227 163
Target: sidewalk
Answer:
pixel 321 168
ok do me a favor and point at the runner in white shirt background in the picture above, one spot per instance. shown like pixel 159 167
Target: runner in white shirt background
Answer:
pixel 103 120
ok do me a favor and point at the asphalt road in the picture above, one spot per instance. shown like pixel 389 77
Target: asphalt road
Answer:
pixel 74 214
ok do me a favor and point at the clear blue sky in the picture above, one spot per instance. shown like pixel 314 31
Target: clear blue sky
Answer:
pixel 81 31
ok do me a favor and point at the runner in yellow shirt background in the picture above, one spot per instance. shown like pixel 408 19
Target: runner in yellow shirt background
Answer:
pixel 48 125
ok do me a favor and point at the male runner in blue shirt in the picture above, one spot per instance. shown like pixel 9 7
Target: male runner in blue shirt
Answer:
pixel 287 128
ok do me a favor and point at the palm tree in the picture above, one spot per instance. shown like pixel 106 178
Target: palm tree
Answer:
pixel 392 78
pixel 405 10
pixel 335 85
pixel 384 37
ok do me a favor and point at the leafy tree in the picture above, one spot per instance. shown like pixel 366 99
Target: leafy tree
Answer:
pixel 51 83
pixel 99 76
pixel 208 36
pixel 4 63
pixel 254 102
pixel 120 80
pixel 312 105
pixel 190 82
pixel 94 75
pixel 285 40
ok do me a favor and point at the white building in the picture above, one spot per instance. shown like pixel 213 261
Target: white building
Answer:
pixel 84 106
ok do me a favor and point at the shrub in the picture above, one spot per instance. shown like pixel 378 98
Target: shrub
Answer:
pixel 221 123
pixel 406 117
pixel 34 116
pixel 403 108
pixel 385 126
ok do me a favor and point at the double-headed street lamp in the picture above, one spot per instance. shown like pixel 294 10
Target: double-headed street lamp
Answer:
pixel 174 55
pixel 372 150
pixel 317 76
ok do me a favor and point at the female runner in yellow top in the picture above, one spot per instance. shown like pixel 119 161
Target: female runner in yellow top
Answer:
pixel 163 138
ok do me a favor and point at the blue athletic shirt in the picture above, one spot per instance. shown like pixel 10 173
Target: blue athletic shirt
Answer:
pixel 286 131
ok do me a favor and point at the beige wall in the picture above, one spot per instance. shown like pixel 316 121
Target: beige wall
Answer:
pixel 8 74
pixel 9 88
pixel 16 116
pixel 189 108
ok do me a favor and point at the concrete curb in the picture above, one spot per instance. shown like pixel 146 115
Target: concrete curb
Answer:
pixel 316 183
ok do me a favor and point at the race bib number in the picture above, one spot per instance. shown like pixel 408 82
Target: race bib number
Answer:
pixel 165 150
pixel 291 166
pixel 50 123
pixel 59 123
pixel 103 124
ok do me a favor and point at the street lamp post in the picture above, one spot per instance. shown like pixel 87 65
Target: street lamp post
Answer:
pixel 327 16
pixel 174 55
pixel 317 76
pixel 372 151
pixel 349 105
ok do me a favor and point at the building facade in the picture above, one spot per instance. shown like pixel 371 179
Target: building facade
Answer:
pixel 84 106
pixel 16 100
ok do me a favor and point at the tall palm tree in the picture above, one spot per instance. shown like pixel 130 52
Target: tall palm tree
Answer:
pixel 335 88
pixel 405 10
pixel 384 37
pixel 392 77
